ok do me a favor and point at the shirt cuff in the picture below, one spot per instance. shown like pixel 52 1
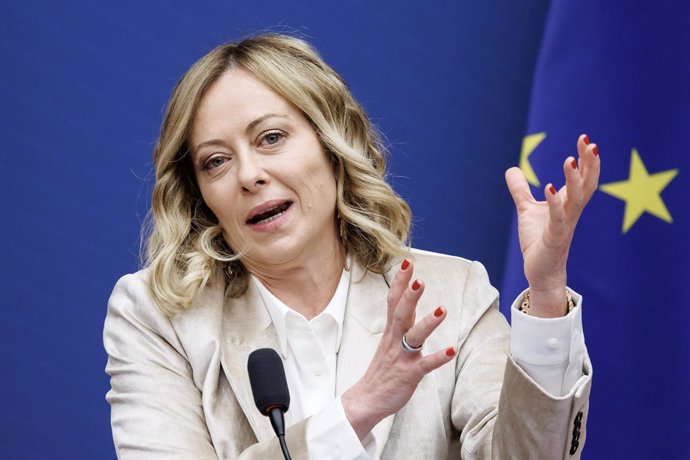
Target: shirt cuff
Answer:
pixel 550 350
pixel 330 436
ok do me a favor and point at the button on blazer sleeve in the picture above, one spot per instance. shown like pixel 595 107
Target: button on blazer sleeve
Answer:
pixel 500 411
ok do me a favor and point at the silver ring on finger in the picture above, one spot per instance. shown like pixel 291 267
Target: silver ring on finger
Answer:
pixel 408 348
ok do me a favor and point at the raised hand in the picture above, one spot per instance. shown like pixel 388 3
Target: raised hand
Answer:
pixel 546 228
pixel 394 373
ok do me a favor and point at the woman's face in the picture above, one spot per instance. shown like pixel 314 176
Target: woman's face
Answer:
pixel 264 174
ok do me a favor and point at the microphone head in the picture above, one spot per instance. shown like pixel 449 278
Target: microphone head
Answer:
pixel 267 378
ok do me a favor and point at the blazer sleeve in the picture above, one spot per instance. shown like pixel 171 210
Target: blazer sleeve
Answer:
pixel 500 411
pixel 156 408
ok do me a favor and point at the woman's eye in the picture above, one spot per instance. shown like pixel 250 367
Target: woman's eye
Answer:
pixel 272 138
pixel 215 162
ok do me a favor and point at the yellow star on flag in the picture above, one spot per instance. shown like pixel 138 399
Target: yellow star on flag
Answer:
pixel 529 143
pixel 641 192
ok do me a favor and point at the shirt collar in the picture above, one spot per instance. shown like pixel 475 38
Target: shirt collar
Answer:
pixel 279 311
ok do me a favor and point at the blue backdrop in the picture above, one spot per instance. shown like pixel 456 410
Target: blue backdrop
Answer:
pixel 621 73
pixel 82 89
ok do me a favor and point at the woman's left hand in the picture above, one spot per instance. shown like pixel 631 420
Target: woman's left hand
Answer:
pixel 546 228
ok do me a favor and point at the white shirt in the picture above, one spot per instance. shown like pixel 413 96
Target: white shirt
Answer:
pixel 551 351
pixel 311 378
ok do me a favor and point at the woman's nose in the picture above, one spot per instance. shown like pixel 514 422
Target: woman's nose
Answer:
pixel 251 174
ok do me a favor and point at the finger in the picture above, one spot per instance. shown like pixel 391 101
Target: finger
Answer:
pixel 573 186
pixel 518 187
pixel 556 225
pixel 438 359
pixel 404 313
pixel 582 143
pixel 590 166
pixel 421 331
pixel 400 282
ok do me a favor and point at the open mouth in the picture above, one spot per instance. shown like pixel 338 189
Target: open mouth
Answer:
pixel 269 214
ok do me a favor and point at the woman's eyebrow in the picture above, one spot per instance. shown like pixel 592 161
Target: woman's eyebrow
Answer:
pixel 211 142
pixel 262 118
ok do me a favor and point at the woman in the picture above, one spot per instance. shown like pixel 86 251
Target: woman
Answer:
pixel 273 227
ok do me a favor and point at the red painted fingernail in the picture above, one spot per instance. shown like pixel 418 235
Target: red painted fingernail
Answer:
pixel 595 150
pixel 405 264
pixel 438 312
pixel 574 164
pixel 450 352
pixel 585 139
pixel 416 285
pixel 552 189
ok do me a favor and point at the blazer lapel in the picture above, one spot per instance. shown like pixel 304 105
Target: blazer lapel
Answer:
pixel 246 327
pixel 365 320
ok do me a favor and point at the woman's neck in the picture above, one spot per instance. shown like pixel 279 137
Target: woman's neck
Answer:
pixel 308 287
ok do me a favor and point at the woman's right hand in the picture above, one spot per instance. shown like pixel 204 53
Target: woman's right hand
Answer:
pixel 394 373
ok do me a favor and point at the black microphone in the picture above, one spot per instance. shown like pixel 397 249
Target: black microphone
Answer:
pixel 270 390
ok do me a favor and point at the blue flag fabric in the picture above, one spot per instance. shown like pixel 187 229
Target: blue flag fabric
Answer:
pixel 620 72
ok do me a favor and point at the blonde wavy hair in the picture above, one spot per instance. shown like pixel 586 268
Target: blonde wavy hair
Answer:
pixel 184 246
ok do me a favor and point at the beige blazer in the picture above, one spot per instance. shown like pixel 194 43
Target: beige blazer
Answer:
pixel 180 387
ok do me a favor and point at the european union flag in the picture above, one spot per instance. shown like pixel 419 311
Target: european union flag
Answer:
pixel 620 72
